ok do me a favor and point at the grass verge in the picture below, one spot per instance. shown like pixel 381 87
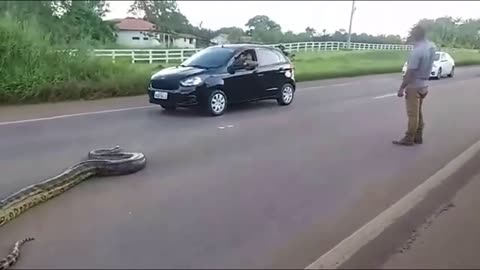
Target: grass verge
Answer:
pixel 325 65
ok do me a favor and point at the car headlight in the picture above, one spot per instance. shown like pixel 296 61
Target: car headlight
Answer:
pixel 192 81
pixel 434 66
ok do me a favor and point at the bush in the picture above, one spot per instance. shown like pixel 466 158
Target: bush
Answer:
pixel 33 71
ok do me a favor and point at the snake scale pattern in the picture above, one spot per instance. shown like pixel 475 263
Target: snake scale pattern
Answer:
pixel 100 162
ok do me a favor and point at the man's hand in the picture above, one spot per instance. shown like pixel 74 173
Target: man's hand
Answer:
pixel 401 92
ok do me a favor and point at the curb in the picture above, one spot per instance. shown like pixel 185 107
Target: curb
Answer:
pixel 348 247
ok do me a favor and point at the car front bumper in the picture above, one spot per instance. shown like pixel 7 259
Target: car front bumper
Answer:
pixel 184 97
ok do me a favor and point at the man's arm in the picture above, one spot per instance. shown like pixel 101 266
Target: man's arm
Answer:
pixel 407 79
pixel 412 64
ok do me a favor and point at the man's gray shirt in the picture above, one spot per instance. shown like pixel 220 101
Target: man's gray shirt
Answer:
pixel 420 63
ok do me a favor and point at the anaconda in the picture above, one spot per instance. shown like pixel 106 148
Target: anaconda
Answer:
pixel 100 162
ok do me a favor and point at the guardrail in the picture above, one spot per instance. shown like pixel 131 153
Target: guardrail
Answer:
pixel 179 55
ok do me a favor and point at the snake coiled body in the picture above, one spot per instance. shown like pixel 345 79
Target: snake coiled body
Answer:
pixel 101 162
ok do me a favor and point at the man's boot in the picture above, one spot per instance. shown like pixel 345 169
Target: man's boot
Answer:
pixel 406 141
pixel 418 138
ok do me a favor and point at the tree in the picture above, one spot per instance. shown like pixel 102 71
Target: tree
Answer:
pixel 264 30
pixel 262 22
pixel 452 32
pixel 164 13
pixel 311 32
pixel 82 20
pixel 66 21
pixel 235 34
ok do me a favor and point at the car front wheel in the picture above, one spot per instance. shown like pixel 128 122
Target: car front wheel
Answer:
pixel 286 95
pixel 216 103
pixel 439 73
pixel 452 73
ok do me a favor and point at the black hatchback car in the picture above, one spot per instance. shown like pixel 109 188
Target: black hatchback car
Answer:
pixel 222 75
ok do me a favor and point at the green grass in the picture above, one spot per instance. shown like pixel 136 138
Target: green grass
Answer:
pixel 32 71
pixel 323 65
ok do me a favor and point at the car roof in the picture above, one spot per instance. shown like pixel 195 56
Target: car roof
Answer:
pixel 246 46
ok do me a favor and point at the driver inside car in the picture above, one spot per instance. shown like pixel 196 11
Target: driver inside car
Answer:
pixel 244 60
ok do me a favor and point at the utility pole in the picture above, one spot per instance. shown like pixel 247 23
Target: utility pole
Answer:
pixel 350 26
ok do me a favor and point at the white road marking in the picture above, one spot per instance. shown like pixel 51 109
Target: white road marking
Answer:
pixel 227 126
pixel 324 86
pixel 385 96
pixel 150 106
pixel 74 114
pixel 368 232
pixel 114 110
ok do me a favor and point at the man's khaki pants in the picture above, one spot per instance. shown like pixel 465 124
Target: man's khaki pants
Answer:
pixel 414 101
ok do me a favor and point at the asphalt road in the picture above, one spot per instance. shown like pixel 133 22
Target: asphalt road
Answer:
pixel 262 186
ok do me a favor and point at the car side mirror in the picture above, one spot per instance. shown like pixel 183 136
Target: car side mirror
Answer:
pixel 231 69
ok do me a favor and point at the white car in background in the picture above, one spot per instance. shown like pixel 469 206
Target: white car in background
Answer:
pixel 444 66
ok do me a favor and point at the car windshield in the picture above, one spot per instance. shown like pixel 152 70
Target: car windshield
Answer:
pixel 209 58
pixel 437 56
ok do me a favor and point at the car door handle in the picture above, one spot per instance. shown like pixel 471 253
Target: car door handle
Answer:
pixel 260 75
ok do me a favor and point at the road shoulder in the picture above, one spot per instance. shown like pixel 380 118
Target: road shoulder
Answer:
pixel 375 253
pixel 448 239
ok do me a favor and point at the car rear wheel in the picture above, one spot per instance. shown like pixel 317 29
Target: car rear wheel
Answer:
pixel 216 103
pixel 169 108
pixel 439 74
pixel 286 95
pixel 452 73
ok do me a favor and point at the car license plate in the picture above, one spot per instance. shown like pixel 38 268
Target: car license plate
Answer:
pixel 160 95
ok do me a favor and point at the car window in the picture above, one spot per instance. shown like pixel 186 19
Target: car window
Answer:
pixel 212 57
pixel 282 57
pixel 269 57
pixel 437 56
pixel 249 54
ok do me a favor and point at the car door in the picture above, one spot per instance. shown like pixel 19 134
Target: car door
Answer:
pixel 243 84
pixel 271 69
pixel 449 62
pixel 444 63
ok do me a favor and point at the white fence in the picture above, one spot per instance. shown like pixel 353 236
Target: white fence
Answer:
pixel 179 55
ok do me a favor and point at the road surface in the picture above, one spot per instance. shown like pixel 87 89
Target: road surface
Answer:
pixel 262 186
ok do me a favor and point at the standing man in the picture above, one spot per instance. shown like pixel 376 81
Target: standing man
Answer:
pixel 415 85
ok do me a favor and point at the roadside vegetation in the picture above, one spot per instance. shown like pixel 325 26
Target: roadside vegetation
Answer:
pixel 36 63
pixel 323 65
pixel 33 71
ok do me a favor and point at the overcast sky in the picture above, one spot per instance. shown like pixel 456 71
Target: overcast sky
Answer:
pixel 372 17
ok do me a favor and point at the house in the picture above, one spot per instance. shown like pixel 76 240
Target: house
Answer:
pixel 138 33
pixel 220 39
pixel 184 41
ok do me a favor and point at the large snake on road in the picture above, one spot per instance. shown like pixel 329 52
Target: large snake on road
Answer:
pixel 101 162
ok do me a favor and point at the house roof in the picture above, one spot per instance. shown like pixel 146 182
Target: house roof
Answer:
pixel 134 24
